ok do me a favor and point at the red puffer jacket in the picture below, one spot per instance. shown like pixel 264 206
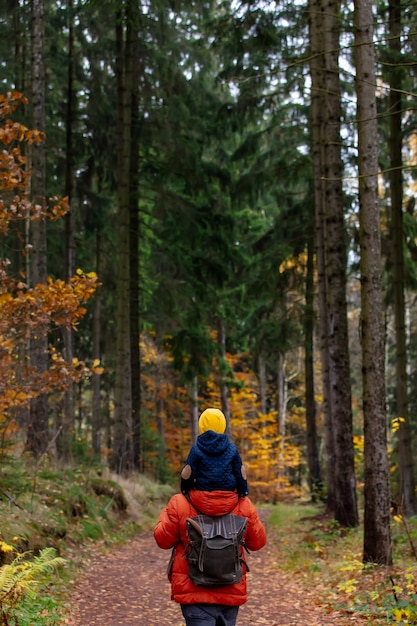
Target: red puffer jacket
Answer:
pixel 170 531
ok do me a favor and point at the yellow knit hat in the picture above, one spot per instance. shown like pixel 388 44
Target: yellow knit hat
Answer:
pixel 212 419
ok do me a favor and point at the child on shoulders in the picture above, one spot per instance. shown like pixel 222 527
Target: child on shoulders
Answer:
pixel 214 462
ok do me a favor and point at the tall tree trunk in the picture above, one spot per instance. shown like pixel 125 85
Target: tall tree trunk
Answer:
pixel 317 70
pixel 134 246
pixel 160 424
pixel 377 532
pixel 19 77
pixel 20 69
pixel 316 11
pixel 331 258
pixel 37 435
pixel 345 511
pixel 64 440
pixel 262 384
pixel 224 392
pixel 405 455
pixel 282 399
pixel 194 411
pixel 122 452
pixel 313 460
pixel 282 395
pixel 97 421
pixel 134 320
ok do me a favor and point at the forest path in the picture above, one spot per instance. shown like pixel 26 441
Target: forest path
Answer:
pixel 129 587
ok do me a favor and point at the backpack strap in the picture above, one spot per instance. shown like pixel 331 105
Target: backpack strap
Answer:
pixel 173 550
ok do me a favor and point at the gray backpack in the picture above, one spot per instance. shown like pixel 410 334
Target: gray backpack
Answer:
pixel 214 551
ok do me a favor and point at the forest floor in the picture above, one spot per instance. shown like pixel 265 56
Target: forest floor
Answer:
pixel 129 587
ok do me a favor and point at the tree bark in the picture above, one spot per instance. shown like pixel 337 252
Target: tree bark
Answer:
pixel 134 239
pixel 194 411
pixel 318 86
pixel 313 460
pixel 345 503
pixel 97 421
pixel 405 455
pixel 282 395
pixel 224 392
pixel 122 451
pixel 37 435
pixel 377 532
pixel 64 439
pixel 19 75
pixel 331 260
pixel 262 386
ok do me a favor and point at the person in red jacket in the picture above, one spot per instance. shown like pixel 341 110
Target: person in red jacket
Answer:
pixel 205 606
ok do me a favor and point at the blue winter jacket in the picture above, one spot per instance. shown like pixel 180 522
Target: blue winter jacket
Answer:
pixel 214 463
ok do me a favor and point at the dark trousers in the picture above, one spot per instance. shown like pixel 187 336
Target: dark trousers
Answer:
pixel 209 614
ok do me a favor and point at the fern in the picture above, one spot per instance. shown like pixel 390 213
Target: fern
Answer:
pixel 23 577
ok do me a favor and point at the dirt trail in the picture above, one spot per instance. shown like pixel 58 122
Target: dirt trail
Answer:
pixel 128 587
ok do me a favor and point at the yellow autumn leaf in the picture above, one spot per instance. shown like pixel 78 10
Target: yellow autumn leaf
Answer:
pixel 348 585
pixel 5 547
pixel 399 615
pixel 396 423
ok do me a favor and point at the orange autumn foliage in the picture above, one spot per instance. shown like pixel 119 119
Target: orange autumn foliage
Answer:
pixel 15 201
pixel 26 311
pixel 274 463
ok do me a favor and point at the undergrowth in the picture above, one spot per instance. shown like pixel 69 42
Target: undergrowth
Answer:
pixel 319 552
pixel 21 579
pixel 63 514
